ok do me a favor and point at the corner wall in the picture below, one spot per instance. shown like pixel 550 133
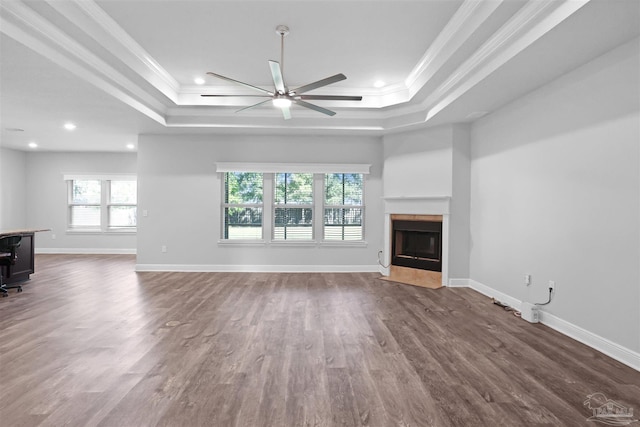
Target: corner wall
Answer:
pixel 555 193
pixel 47 202
pixel 13 189
pixel 428 169
pixel 181 192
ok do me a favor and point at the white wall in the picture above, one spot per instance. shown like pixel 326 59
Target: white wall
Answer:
pixel 555 193
pixel 13 189
pixel 418 163
pixel 460 202
pixel 434 162
pixel 181 192
pixel 47 202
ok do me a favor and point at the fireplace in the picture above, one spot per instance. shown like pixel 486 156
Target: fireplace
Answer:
pixel 417 249
pixel 417 244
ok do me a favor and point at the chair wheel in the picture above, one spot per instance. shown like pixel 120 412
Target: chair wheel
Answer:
pixel 20 289
pixel 4 295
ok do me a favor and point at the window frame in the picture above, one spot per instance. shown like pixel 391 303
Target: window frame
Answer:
pixel 104 205
pixel 268 206
pixel 109 204
pixel 326 206
pixel 71 204
pixel 311 206
pixel 226 205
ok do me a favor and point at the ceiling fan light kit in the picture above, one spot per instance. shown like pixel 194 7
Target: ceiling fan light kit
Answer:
pixel 283 97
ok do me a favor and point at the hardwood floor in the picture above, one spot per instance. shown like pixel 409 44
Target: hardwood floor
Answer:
pixel 92 343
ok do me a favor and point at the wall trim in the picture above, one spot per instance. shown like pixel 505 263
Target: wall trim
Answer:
pixel 611 349
pixel 492 293
pixel 458 283
pixel 214 268
pixel 603 345
pixel 86 251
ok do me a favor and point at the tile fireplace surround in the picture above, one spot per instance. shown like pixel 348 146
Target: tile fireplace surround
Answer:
pixel 416 205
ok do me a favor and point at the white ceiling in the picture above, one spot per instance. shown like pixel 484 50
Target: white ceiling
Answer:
pixel 121 68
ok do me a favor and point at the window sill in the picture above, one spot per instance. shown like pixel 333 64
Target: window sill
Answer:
pixel 241 242
pixel 100 232
pixel 295 243
pixel 344 243
pixel 290 243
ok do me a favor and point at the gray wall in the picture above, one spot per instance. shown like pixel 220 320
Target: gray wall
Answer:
pixel 13 189
pixel 181 192
pixel 418 163
pixel 434 162
pixel 555 193
pixel 47 203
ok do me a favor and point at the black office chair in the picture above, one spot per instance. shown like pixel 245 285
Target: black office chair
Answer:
pixel 8 256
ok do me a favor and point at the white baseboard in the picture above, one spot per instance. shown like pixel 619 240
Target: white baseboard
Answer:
pixel 459 283
pixel 611 349
pixel 603 345
pixel 86 251
pixel 500 296
pixel 259 268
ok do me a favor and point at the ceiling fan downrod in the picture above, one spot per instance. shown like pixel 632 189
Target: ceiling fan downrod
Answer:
pixel 283 30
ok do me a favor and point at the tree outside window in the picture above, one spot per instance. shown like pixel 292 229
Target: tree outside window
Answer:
pixel 293 212
pixel 243 205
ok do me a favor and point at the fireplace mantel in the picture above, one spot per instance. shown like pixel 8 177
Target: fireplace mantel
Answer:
pixel 417 205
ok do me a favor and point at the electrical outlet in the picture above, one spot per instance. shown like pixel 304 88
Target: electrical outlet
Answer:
pixel 163 249
pixel 552 285
pixel 527 279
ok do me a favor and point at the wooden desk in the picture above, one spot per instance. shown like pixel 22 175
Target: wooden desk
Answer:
pixel 24 265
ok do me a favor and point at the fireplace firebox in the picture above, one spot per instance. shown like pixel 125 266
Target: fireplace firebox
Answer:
pixel 417 244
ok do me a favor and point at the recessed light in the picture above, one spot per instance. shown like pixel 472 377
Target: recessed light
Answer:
pixel 14 130
pixel 33 145
pixel 198 81
pixel 379 84
pixel 131 146
pixel 69 126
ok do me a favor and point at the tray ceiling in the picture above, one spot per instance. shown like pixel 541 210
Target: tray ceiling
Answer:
pixel 121 68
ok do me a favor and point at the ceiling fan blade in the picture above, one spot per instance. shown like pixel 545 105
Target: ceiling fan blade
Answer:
pixel 319 83
pixel 314 107
pixel 240 83
pixel 240 96
pixel 276 73
pixel 332 97
pixel 254 105
pixel 286 113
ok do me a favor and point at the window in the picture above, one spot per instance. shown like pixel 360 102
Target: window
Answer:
pixel 297 204
pixel 293 206
pixel 121 205
pixel 243 205
pixel 102 204
pixel 84 203
pixel 343 206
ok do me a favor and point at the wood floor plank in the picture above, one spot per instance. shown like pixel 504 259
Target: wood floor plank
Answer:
pixel 90 342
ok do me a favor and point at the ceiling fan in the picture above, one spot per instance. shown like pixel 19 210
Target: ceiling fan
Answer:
pixel 282 96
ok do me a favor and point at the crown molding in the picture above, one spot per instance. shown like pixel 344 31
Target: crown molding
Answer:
pixel 530 23
pixel 384 110
pixel 96 23
pixel 26 26
pixel 463 24
pixel 526 26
